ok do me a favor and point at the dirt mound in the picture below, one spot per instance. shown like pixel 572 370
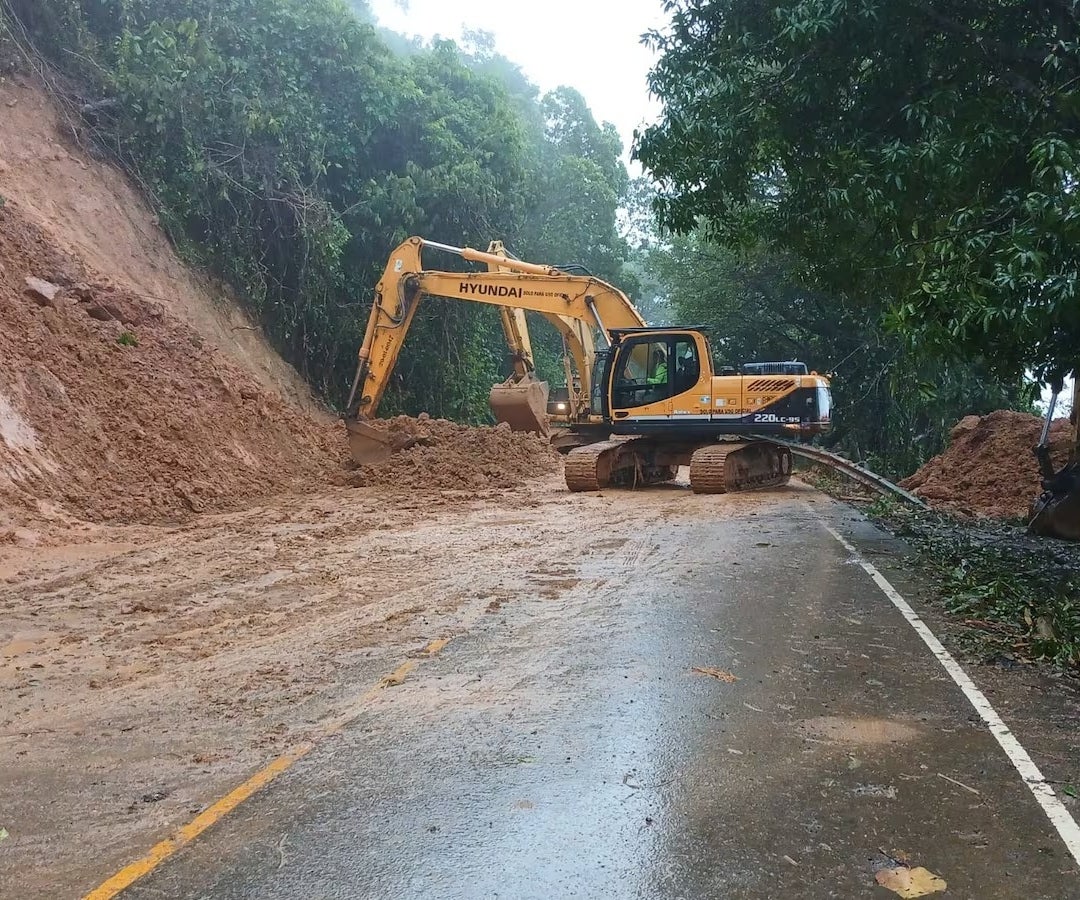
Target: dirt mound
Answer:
pixel 114 409
pixel 988 470
pixel 437 454
pixel 133 390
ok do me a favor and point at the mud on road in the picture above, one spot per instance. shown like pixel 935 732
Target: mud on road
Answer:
pixel 146 670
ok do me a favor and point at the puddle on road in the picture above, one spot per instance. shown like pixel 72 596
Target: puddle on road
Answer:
pixel 862 732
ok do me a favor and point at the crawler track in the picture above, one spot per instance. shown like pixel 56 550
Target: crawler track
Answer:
pixel 589 468
pixel 739 466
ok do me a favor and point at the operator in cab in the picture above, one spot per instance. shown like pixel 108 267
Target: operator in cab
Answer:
pixel 659 368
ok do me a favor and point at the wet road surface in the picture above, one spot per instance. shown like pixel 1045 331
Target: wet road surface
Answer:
pixel 564 747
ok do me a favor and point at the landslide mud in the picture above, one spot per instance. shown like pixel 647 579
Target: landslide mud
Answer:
pixel 116 410
pixel 438 454
pixel 989 469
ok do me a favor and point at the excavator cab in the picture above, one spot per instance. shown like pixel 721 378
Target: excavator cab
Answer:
pixel 658 374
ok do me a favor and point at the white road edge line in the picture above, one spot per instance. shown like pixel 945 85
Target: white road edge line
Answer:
pixel 1055 810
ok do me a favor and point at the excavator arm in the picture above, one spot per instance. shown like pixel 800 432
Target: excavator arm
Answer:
pixel 514 325
pixel 575 304
pixel 1056 513
pixel 521 400
pixel 578 345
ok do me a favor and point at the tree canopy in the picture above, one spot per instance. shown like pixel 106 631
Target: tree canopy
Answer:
pixel 920 152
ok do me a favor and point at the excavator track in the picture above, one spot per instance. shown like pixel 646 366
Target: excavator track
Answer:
pixel 739 466
pixel 589 468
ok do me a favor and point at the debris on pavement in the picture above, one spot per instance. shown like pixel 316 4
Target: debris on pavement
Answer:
pixel 959 784
pixel 910 882
pixel 713 672
pixel 440 454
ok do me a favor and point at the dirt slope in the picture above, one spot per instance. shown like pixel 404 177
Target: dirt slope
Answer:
pixel 90 211
pixel 114 409
pixel 988 469
pixel 132 390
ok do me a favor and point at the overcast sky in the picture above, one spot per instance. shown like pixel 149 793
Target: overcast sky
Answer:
pixel 592 46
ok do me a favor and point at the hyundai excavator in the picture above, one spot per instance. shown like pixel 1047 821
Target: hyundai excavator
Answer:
pixel 641 401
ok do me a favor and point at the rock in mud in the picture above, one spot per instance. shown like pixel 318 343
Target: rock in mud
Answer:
pixel 42 292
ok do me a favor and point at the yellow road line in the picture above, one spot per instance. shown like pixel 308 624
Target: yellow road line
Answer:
pixel 214 813
pixel 166 848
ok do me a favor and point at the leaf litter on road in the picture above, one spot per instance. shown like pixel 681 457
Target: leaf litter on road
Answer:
pixel 713 672
pixel 915 882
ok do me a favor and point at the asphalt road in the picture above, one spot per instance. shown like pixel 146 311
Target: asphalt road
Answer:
pixel 564 747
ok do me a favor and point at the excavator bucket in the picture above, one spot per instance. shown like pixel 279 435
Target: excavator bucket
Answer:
pixel 367 444
pixel 521 404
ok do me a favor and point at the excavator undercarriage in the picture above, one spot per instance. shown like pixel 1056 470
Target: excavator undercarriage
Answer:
pixel 715 468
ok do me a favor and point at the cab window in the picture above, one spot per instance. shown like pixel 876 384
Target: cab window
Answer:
pixel 643 375
pixel 687 366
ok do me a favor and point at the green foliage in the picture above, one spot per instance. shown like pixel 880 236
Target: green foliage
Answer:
pixel 127 339
pixel 1039 602
pixel 921 152
pixel 288 148
pixel 893 407
pixel 1019 594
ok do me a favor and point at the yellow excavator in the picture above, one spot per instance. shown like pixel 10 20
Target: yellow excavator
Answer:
pixel 640 402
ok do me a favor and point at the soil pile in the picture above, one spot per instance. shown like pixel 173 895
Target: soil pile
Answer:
pixel 438 454
pixel 988 470
pixel 115 409
pixel 134 390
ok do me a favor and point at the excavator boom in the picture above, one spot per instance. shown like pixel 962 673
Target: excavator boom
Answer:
pixel 521 400
pixel 577 305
